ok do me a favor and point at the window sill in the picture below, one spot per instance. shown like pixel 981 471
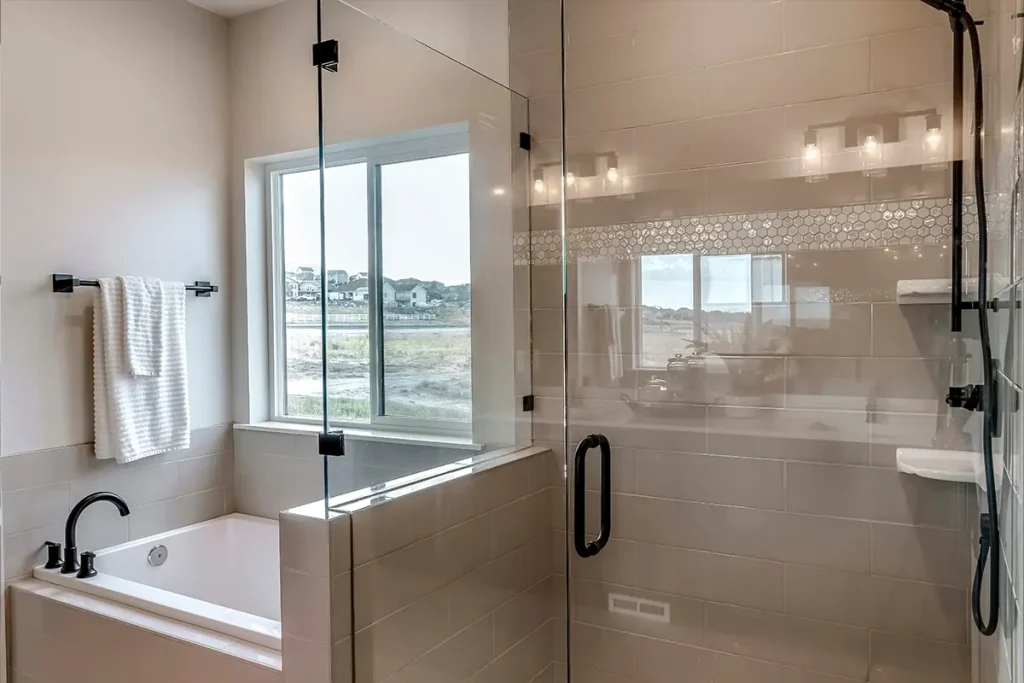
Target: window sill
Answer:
pixel 377 435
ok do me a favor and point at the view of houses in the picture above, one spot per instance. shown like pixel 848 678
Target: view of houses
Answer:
pixel 304 285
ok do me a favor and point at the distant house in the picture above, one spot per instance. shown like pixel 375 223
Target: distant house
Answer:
pixel 413 294
pixel 308 288
pixel 305 274
pixel 359 290
pixel 291 287
pixel 337 277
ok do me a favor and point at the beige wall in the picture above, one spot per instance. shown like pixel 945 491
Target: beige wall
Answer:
pixel 761 500
pixel 469 31
pixel 115 161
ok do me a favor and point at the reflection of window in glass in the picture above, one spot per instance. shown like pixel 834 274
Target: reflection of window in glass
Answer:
pixel 667 319
pixel 731 287
pixel 767 279
pixel 348 336
pixel 425 258
pixel 725 283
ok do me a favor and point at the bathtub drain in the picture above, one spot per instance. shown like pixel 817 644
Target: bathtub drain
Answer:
pixel 158 555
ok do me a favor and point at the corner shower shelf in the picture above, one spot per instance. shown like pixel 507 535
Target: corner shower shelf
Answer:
pixel 940 290
pixel 933 463
pixel 934 291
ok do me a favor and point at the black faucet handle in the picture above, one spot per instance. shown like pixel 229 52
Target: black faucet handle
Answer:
pixel 88 568
pixel 70 564
pixel 53 559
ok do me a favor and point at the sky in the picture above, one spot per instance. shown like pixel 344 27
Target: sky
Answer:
pixel 424 210
pixel 667 282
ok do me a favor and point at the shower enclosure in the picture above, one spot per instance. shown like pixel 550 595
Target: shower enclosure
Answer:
pixel 709 248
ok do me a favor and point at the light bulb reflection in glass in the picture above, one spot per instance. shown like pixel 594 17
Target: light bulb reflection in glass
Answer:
pixel 872 151
pixel 933 147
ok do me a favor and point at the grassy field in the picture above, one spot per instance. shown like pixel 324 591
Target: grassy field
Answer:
pixel 427 373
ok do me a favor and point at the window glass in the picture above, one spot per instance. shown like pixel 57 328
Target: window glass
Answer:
pixel 348 340
pixel 425 288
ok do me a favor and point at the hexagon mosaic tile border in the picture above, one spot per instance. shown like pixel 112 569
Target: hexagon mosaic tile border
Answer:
pixel 859 226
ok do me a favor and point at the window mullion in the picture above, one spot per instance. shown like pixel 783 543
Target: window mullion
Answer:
pixel 375 304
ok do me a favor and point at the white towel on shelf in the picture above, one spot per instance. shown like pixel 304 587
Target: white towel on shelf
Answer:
pixel 137 417
pixel 143 328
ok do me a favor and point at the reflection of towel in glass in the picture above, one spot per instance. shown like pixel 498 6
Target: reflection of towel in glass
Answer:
pixel 601 346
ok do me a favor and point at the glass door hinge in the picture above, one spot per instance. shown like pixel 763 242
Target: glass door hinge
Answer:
pixel 528 403
pixel 325 55
pixel 525 142
pixel 332 443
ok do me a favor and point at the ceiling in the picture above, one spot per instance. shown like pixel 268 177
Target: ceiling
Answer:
pixel 234 8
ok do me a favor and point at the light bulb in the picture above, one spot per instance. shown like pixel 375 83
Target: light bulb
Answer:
pixel 872 151
pixel 538 186
pixel 498 191
pixel 570 179
pixel 613 168
pixel 811 164
pixel 933 148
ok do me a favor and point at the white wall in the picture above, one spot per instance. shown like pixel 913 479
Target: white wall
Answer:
pixel 115 147
pixel 473 32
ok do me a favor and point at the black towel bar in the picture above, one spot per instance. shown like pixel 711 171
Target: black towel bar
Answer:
pixel 65 284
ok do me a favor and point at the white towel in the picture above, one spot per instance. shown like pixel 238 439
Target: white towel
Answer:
pixel 137 417
pixel 143 329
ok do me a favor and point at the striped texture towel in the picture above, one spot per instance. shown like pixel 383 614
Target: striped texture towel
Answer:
pixel 143 311
pixel 137 417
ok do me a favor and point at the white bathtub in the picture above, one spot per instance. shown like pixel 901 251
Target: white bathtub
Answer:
pixel 222 575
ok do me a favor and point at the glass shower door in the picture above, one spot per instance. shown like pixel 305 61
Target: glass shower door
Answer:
pixel 747 187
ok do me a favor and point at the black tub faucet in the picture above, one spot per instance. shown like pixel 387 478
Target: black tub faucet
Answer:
pixel 70 565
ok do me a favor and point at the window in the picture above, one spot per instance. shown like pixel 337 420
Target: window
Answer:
pixel 689 304
pixel 398 285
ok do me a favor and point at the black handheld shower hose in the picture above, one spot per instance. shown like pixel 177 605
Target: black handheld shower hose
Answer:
pixel 989 544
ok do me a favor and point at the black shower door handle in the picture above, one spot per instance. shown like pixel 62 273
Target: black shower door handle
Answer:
pixel 585 548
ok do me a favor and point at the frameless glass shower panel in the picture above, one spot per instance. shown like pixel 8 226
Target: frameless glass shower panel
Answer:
pixel 750 188
pixel 428 315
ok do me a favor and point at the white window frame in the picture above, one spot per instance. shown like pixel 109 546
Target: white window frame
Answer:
pixel 441 141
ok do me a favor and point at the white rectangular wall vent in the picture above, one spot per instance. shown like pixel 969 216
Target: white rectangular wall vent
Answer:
pixel 652 610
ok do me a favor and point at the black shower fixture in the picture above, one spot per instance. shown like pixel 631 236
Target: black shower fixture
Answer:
pixel 981 397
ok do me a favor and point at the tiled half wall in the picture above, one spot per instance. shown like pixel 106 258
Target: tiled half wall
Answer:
pixel 445 581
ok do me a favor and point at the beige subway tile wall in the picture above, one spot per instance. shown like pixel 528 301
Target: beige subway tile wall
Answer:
pixel 451 579
pixel 754 391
